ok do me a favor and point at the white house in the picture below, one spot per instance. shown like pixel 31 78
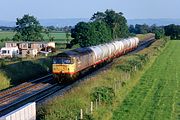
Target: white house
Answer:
pixel 9 52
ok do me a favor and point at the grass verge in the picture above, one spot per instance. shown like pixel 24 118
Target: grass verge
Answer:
pixel 14 73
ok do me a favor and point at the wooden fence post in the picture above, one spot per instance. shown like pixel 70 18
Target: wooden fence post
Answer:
pixel 81 115
pixel 99 99
pixel 91 107
pixel 96 103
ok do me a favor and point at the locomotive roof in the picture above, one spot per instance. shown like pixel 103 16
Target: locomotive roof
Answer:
pixel 75 52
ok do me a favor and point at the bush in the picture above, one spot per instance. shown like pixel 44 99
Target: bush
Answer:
pixel 88 117
pixel 103 94
pixel 124 67
pixel 2 64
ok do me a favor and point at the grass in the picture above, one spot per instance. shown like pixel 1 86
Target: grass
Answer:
pixel 156 96
pixel 68 106
pixel 144 36
pixel 16 72
pixel 4 35
pixel 58 36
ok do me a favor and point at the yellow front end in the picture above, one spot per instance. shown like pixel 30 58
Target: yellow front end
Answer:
pixel 63 69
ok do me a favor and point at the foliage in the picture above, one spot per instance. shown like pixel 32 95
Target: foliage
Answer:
pixel 89 34
pixel 59 29
pixel 159 31
pixel 115 21
pixel 103 94
pixel 67 36
pixel 28 28
pixel 2 64
pixel 124 67
pixel 15 71
pixel 173 31
pixel 88 117
pixel 104 27
pixel 143 29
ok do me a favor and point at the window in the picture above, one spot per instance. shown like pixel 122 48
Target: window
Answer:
pixel 29 45
pixel 3 51
pixel 62 61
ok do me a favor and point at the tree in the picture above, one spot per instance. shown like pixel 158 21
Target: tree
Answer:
pixel 67 36
pixel 28 28
pixel 173 31
pixel 132 29
pixel 158 31
pixel 89 34
pixel 103 28
pixel 79 33
pixel 141 29
pixel 115 21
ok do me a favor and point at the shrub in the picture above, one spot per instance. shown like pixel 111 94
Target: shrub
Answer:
pixel 103 94
pixel 124 67
pixel 2 64
pixel 88 117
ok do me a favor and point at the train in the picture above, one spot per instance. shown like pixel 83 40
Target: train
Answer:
pixel 70 64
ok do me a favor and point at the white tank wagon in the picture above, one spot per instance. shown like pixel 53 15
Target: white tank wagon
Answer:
pixel 137 40
pixel 126 44
pixel 105 51
pixel 98 53
pixel 114 49
pixel 26 112
pixel 120 47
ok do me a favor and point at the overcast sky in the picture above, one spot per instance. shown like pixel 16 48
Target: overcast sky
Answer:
pixel 45 9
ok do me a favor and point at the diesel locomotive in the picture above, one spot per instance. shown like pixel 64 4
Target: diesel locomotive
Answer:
pixel 70 64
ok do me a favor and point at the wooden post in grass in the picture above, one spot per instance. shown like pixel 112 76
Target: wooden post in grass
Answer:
pixel 99 99
pixel 91 107
pixel 115 87
pixel 96 103
pixel 81 114
pixel 86 110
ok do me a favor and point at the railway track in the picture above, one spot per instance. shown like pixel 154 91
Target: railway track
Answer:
pixel 37 90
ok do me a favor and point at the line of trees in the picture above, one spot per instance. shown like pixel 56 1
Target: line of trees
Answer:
pixel 143 29
pixel 103 27
pixel 173 31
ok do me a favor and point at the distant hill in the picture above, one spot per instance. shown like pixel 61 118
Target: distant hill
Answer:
pixel 74 21
pixel 158 22
pixel 62 22
pixel 7 23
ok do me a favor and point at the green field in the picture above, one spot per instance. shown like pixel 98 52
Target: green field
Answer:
pixel 4 35
pixel 58 36
pixel 157 95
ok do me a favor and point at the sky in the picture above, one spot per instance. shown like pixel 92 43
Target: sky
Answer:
pixel 51 9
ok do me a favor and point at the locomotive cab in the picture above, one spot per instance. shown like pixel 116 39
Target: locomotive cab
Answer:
pixel 63 65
